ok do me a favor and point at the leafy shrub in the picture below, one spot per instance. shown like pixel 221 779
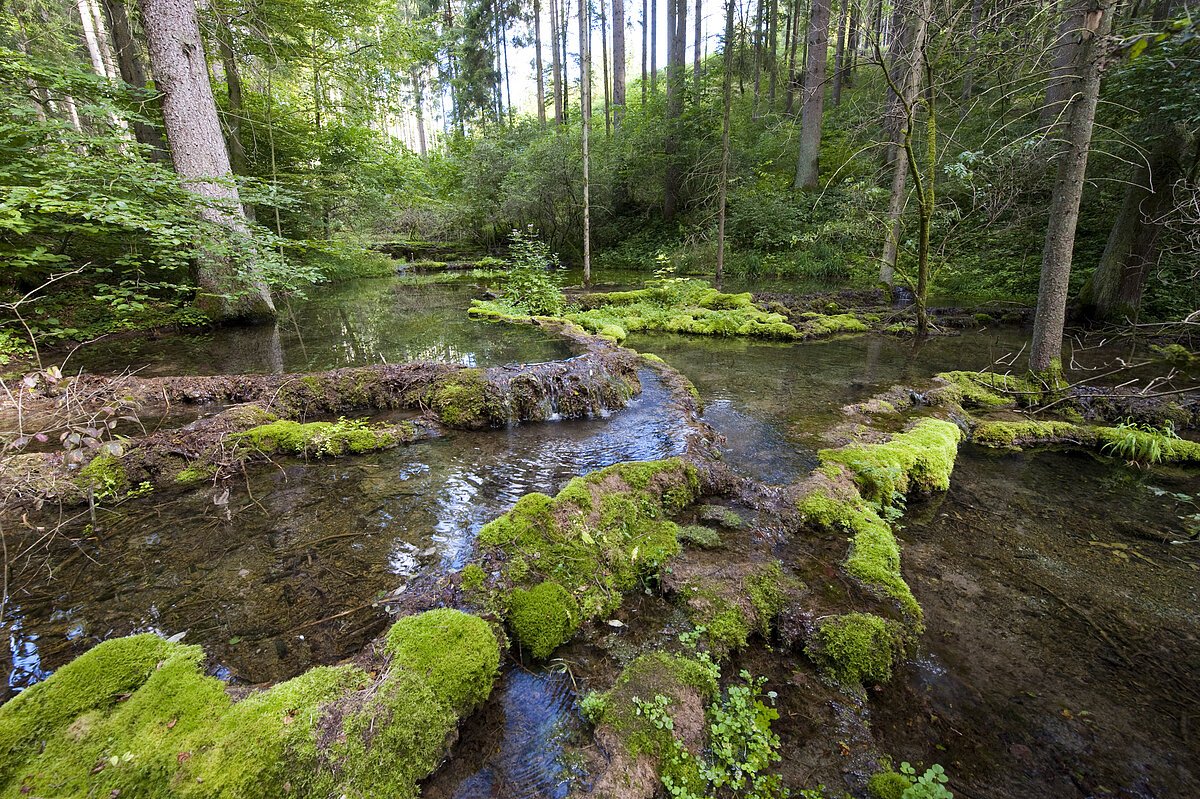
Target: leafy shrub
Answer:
pixel 532 284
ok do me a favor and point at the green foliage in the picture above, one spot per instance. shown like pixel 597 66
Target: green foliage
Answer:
pixel 532 284
pixel 1144 444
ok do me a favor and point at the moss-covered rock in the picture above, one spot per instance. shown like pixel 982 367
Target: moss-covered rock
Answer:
pixel 1014 435
pixel 984 390
pixel 888 783
pixel 462 400
pixel 921 458
pixel 136 716
pixel 320 439
pixel 543 618
pixel 105 477
pixel 700 536
pixel 599 535
pixel 855 649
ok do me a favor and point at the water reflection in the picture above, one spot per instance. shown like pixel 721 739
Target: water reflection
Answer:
pixel 348 324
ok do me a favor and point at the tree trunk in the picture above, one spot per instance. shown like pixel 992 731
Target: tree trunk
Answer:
pixel 133 72
pixel 1058 88
pixel 969 69
pixel 645 76
pixel 233 87
pixel 839 59
pixel 604 70
pixel 1045 355
pixel 772 54
pixel 654 44
pixel 812 110
pixel 905 69
pixel 790 92
pixel 698 36
pixel 618 62
pixel 92 38
pixel 1114 290
pixel 727 102
pixel 585 114
pixel 758 57
pixel 556 64
pixel 676 44
pixel 419 100
pixel 541 70
pixel 564 18
pixel 229 289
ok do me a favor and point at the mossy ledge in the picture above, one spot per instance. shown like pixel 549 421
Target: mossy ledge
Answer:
pixel 136 716
pixel 682 306
pixel 856 650
pixel 580 550
pixel 1129 442
pixel 857 482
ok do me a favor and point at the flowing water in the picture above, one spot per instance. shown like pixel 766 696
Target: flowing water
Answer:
pixel 1063 631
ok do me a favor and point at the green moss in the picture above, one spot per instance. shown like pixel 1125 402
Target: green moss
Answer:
pixel 1014 435
pixel 700 536
pixel 818 326
pixel 601 534
pixel 652 358
pixel 1146 445
pixel 454 653
pixel 319 439
pixel 888 784
pixel 105 476
pixel 719 514
pixel 137 717
pixel 472 577
pixel 766 589
pixel 462 400
pixel 874 553
pixel 984 390
pixel 855 649
pixel 195 473
pixel 646 677
pixel 543 618
pixel 921 458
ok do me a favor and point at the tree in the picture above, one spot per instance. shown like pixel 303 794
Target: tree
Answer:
pixel 540 69
pixel 585 114
pixel 557 67
pixel 676 64
pixel 133 72
pixel 230 288
pixel 1045 354
pixel 618 62
pixel 813 107
pixel 727 102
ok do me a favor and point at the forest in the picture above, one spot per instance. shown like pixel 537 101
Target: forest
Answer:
pixel 545 399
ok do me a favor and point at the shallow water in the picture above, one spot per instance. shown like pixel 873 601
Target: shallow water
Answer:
pixel 1063 637
pixel 348 324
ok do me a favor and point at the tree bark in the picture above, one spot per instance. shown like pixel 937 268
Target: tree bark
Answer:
pixel 813 107
pixel 133 72
pixel 772 54
pixel 645 76
pixel 556 64
pixel 604 71
pixel 618 62
pixel 676 44
pixel 968 86
pixel 228 289
pixel 419 100
pixel 758 57
pixel 1045 355
pixel 585 114
pixel 654 44
pixel 905 69
pixel 233 88
pixel 1114 290
pixel 541 70
pixel 839 58
pixel 727 103
pixel 698 37
pixel 1058 87
pixel 790 92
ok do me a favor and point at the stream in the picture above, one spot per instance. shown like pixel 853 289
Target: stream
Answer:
pixel 1063 630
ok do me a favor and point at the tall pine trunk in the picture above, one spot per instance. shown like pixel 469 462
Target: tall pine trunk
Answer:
pixel 1045 354
pixel 727 102
pixel 133 72
pixel 556 64
pixel 618 62
pixel 230 286
pixel 813 108
pixel 839 59
pixel 585 114
pixel 538 65
pixel 676 61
